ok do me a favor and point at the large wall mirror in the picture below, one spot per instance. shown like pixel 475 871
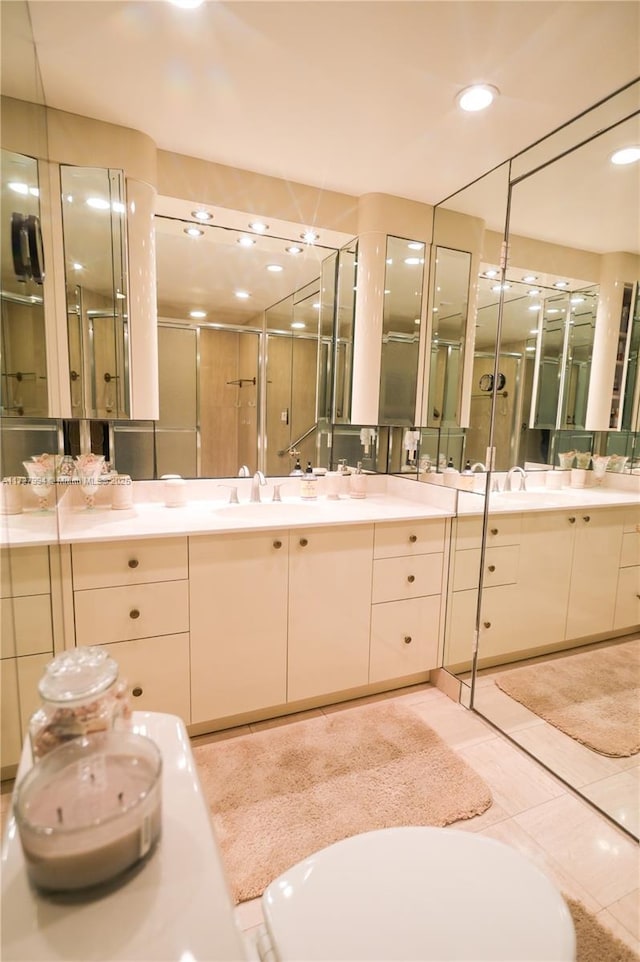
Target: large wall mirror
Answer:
pixel 246 325
pixel 553 583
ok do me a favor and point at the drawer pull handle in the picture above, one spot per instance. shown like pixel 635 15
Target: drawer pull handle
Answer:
pixel 411 579
pixel 413 538
pixel 133 563
pixel 137 691
pixel 494 531
pixel 572 520
pixel 277 544
pixel 586 517
pixel 407 639
pixel 487 624
pixel 492 567
pixel 134 613
pixel 303 542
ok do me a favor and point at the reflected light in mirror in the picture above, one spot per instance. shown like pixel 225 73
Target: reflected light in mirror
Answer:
pixel 627 155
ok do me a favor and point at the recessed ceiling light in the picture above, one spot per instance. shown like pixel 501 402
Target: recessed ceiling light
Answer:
pixel 246 241
pixel 533 292
pixel 197 314
pixel 201 214
pixel 194 231
pixel 561 284
pixel 627 155
pixel 186 4
pixel 309 236
pixel 490 273
pixel 500 287
pixel 412 260
pixel 416 320
pixel 534 307
pixel 274 268
pixel 298 325
pixel 316 305
pixel 294 249
pixel 389 260
pixel 534 330
pixel 258 226
pixel 386 292
pixel 243 295
pixel 477 97
pixel 415 246
pixel 118 207
pixel 77 266
pixel 553 310
pixel 577 300
pixel 18 187
pixel 529 279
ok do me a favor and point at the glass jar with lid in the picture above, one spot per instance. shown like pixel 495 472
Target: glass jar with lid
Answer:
pixel 80 694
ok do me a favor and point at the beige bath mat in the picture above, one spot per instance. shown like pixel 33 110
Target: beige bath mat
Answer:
pixel 279 795
pixel 593 696
pixel 595 943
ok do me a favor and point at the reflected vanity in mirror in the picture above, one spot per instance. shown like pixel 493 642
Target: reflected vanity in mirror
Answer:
pixel 559 611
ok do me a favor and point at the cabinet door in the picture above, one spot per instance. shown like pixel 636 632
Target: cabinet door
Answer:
pixel 404 637
pixel 238 603
pixel 156 672
pixel 19 679
pixel 500 612
pixel 627 613
pixel 544 576
pixel 594 573
pixel 25 625
pixel 329 609
pixel 24 571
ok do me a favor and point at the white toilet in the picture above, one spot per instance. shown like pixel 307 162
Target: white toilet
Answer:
pixel 415 894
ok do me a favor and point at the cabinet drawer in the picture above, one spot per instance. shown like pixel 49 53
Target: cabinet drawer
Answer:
pixel 408 538
pixel 501 530
pixel 26 626
pixel 627 611
pixel 500 567
pixel 397 578
pixel 630 554
pixel 114 563
pixel 104 615
pixel 404 638
pixel 24 571
pixel 156 673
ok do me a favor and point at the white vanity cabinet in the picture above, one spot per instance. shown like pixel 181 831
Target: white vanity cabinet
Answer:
pixel 133 597
pixel 406 598
pixel 330 571
pixel 594 571
pixel 238 591
pixel 627 611
pixel 500 589
pixel 26 640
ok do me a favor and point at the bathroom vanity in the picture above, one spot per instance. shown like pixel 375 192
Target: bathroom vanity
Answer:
pixel 228 613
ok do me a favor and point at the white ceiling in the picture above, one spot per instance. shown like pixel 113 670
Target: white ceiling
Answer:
pixel 350 96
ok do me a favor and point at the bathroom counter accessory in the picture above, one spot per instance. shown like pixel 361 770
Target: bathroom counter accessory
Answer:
pixel 176 905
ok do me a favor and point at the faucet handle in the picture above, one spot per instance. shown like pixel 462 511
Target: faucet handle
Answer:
pixel 233 492
pixel 276 491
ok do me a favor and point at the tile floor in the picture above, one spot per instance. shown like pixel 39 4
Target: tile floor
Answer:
pixel 588 858
pixel 613 784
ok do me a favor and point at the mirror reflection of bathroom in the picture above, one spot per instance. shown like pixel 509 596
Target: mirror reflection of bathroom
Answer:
pixel 559 587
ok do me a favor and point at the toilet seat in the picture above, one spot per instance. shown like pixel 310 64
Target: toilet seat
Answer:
pixel 416 893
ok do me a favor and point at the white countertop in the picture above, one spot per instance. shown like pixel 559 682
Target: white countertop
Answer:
pixel 177 906
pixel 390 498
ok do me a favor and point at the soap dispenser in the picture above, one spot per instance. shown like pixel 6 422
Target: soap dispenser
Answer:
pixel 451 474
pixel 309 484
pixel 297 471
pixel 357 487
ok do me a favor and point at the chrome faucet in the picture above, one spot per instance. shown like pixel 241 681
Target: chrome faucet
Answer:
pixel 257 480
pixel 480 465
pixel 515 470
pixel 244 472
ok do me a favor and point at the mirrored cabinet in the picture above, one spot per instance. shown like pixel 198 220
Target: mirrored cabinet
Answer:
pixel 23 350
